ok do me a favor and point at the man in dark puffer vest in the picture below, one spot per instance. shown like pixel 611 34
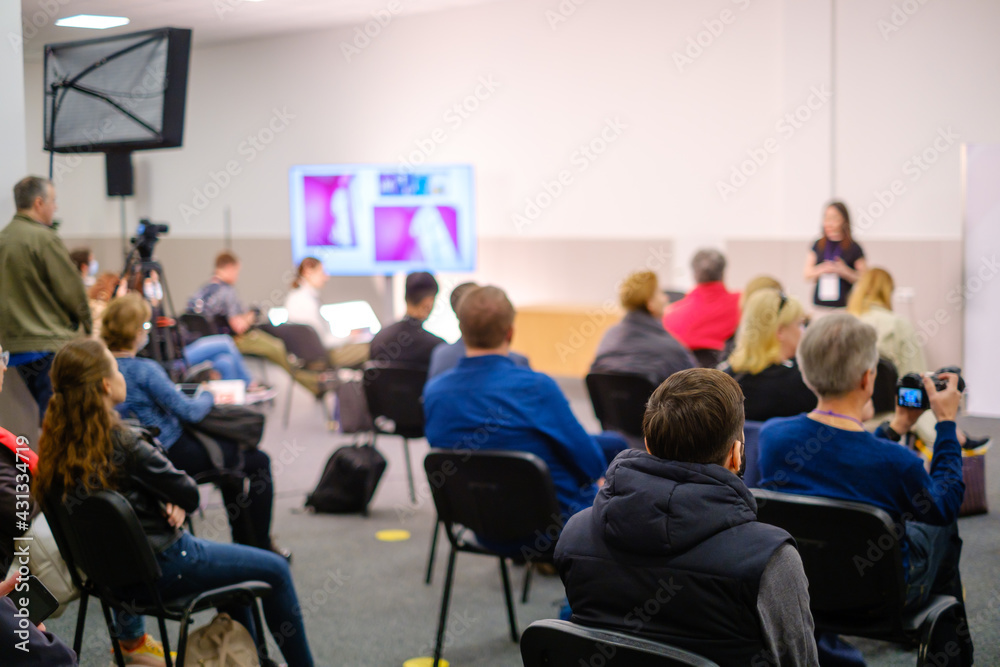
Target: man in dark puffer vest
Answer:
pixel 672 550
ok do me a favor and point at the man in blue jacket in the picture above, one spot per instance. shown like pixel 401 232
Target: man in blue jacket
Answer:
pixel 489 402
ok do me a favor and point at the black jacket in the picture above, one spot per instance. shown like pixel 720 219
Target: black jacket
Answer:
pixel 672 552
pixel 10 525
pixel 148 480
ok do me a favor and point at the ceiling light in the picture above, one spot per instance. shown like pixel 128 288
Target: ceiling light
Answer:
pixel 92 21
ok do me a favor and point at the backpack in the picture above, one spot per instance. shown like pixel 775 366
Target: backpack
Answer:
pixel 348 481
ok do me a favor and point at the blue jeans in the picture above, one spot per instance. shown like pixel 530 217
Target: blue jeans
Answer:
pixel 612 444
pixel 193 565
pixel 222 352
pixel 36 376
pixel 934 552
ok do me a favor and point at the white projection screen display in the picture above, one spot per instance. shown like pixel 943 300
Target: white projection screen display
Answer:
pixel 981 284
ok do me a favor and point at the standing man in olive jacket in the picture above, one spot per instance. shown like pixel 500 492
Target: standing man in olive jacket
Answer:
pixel 42 299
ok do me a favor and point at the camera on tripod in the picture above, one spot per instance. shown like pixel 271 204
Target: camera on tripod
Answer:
pixel 146 236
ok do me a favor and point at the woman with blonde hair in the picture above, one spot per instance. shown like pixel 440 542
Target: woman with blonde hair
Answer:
pixel 871 302
pixel 639 344
pixel 763 362
pixel 84 447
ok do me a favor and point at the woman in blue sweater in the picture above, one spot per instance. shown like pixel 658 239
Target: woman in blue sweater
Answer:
pixel 155 401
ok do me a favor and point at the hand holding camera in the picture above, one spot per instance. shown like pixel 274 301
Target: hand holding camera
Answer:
pixel 940 392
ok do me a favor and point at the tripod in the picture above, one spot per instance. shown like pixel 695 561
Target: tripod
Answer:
pixel 141 270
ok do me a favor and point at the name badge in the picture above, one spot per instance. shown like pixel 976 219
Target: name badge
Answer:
pixel 829 287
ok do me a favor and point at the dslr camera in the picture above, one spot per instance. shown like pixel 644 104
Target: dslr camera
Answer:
pixel 910 388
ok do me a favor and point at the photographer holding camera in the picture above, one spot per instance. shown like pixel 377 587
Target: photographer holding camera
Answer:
pixel 828 453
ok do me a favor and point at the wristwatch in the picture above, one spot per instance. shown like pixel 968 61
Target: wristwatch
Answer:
pixel 889 433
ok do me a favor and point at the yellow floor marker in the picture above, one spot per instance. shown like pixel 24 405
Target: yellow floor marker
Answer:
pixel 392 535
pixel 424 662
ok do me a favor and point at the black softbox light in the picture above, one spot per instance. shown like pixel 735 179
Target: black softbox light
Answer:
pixel 116 94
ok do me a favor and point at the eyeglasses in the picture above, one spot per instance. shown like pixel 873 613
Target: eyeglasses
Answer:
pixel 5 358
pixel 784 300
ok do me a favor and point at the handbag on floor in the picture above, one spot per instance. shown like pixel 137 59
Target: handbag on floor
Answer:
pixel 221 643
pixel 348 481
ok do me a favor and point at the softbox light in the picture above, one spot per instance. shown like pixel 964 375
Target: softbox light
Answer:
pixel 119 93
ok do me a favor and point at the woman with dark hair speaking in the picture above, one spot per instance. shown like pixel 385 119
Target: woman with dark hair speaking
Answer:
pixel 84 447
pixel 835 261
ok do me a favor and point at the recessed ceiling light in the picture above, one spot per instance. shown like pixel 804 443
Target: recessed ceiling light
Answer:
pixel 92 21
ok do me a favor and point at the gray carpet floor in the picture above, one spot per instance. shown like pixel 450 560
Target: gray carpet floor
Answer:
pixel 365 601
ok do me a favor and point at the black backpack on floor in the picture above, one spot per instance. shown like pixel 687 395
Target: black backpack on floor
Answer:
pixel 348 481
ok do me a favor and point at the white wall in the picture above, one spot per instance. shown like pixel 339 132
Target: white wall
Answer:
pixel 12 145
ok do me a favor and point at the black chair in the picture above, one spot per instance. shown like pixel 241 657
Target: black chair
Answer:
pixel 552 643
pixel 884 396
pixel 619 400
pixel 305 350
pixel 501 497
pixel 751 429
pixel 855 569
pixel 102 537
pixel 195 326
pixel 395 401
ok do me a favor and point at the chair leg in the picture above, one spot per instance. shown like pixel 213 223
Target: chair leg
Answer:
pixel 261 629
pixel 165 638
pixel 119 658
pixel 81 618
pixel 430 556
pixel 527 582
pixel 509 598
pixel 409 470
pixel 445 599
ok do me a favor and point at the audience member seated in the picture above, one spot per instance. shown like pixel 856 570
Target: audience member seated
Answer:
pixel 406 341
pixel 40 648
pixel 86 264
pixel 518 408
pixel 758 283
pixel 155 401
pixel 708 315
pixel 12 451
pixel 106 287
pixel 445 357
pixel 303 304
pixel 218 302
pixel 84 447
pixel 828 453
pixel 676 525
pixel 763 362
pixel 639 344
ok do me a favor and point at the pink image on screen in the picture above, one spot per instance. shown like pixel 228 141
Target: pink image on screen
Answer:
pixel 416 234
pixel 329 220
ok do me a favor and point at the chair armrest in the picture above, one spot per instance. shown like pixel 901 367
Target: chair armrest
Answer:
pixel 242 593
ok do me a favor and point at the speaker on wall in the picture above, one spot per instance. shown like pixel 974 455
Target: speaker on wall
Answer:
pixel 115 94
pixel 118 169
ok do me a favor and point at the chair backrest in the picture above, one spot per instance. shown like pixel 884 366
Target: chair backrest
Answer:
pixel 552 643
pixel 302 341
pixel 501 496
pixel 751 429
pixel 884 396
pixel 395 392
pixel 707 358
pixel 197 325
pixel 851 556
pixel 101 535
pixel 619 400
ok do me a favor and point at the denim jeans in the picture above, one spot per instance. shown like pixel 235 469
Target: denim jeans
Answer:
pixel 934 552
pixel 612 444
pixel 192 565
pixel 222 352
pixel 36 376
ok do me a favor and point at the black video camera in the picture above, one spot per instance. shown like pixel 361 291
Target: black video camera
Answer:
pixel 146 236
pixel 910 388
